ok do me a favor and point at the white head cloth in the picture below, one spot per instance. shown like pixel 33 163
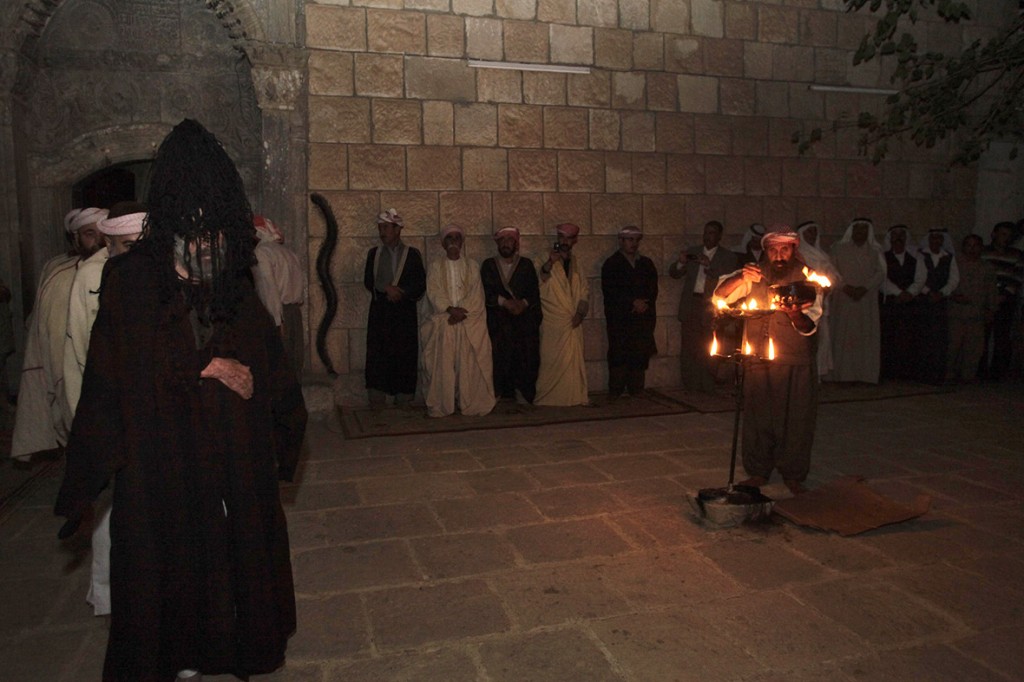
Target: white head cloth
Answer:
pixel 872 242
pixel 754 233
pixel 947 240
pixel 122 225
pixel 69 217
pixel 390 216
pixel 911 247
pixel 87 216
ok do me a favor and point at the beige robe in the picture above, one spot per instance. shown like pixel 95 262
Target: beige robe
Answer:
pixel 562 380
pixel 856 329
pixel 83 304
pixel 457 362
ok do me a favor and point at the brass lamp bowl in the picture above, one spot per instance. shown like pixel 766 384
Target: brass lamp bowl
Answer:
pixel 793 294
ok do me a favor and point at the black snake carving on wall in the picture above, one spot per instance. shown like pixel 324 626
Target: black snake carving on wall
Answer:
pixel 323 271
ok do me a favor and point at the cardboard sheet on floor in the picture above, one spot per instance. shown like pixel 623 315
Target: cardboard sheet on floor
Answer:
pixel 848 506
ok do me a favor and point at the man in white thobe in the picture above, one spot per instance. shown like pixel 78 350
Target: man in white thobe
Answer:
pixel 856 329
pixel 457 362
pixel 819 261
pixel 564 299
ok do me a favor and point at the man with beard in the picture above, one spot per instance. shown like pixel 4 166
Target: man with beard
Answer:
pixel 457 368
pixel 629 284
pixel 43 415
pixel 396 280
pixel 189 405
pixel 564 297
pixel 512 294
pixel 780 396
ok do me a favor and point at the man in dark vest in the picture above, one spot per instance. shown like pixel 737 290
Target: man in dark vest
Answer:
pixel 938 268
pixel 898 308
pixel 780 395
pixel 395 277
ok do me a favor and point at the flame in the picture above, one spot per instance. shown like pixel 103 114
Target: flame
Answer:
pixel 747 350
pixel 720 303
pixel 771 349
pixel 714 344
pixel 749 305
pixel 820 280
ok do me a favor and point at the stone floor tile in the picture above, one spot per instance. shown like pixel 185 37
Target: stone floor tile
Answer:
pixel 672 646
pixel 312 496
pixel 353 567
pixel 700 459
pixel 1003 520
pixel 412 616
pixel 566 540
pixel 978 603
pixel 379 523
pixel 556 594
pixel 454 556
pixel 914 542
pixel 30 602
pixel 667 525
pixel 455 460
pixel 629 467
pixel 508 456
pixel 658 577
pixel 486 511
pixel 567 450
pixel 580 500
pixel 834 552
pixel 552 656
pixel 999 648
pixel 503 480
pixel 646 492
pixel 443 665
pixel 877 611
pixel 761 564
pixel 871 467
pixel 292 671
pixel 329 627
pixel 640 442
pixel 567 473
pixel 962 490
pixel 413 488
pixel 934 662
pixel 51 655
pixel 1002 569
pixel 363 467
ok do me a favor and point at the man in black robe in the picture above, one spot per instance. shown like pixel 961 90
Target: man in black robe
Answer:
pixel 780 395
pixel 395 277
pixel 512 296
pixel 629 283
pixel 189 403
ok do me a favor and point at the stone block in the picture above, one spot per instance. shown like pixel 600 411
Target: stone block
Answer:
pixel 648 51
pixel 780 136
pixel 485 169
pixel 525 210
pixel 757 60
pixel 532 170
pixel 638 131
pixel 741 212
pixel 663 213
pixel 818 28
pixel 328 166
pixel 779 210
pixel 863 180
pixel 376 167
pixel 446 35
pixel 520 126
pixel 356 213
pixel 674 133
pixel 476 124
pixel 354 566
pixel 419 209
pixel 434 168
pixel 499 85
pixel 484 39
pixel 713 134
pixel 831 178
pixel 438 123
pixel 454 556
pixel 724 175
pixel 339 119
pixel 668 16
pixel 565 128
pixel 557 11
pixel 591 90
pixel 544 88
pixel 566 540
pixel 516 9
pixel 580 172
pixel 397 121
pixel 701 209
pixel 330 73
pixel 792 63
pixel 440 79
pixel 600 13
pixel 635 15
pixel 473 8
pixel 895 179
pixel 648 173
pixel 604 129
pixel 800 177
pixel 567 208
pixel 526 41
pixel 572 44
pixel 762 176
pixel 618 173
pixel 555 655
pixel 628 90
pixel 662 92
pixel 741 21
pixel 485 511
pixel 336 28
pixel 698 94
pixel 724 57
pixel 613 48
pixel 684 174
pixel 470 210
pixel 805 103
pixel 707 17
pixel 612 212
pixel 378 75
pixel 684 55
pixel 391 31
pixel 777 24
pixel 851 29
pixel 772 99
pixel 832 66
pixel 738 96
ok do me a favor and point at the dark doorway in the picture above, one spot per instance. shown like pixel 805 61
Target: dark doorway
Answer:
pixel 107 186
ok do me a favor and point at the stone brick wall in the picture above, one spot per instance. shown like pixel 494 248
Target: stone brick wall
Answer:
pixel 686 116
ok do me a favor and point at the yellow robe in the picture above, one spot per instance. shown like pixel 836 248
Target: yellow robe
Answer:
pixel 562 380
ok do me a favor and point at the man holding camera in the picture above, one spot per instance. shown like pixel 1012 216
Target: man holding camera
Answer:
pixel 564 299
pixel 699 267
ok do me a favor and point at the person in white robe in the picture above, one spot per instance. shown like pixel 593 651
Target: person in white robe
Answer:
pixel 818 261
pixel 856 328
pixel 280 284
pixel 43 417
pixel 457 362
pixel 565 302
pixel 121 228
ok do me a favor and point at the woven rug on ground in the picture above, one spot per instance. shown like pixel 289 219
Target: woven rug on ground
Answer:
pixel 362 422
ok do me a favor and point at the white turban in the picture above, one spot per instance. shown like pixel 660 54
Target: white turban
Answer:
pixel 87 216
pixel 390 216
pixel 69 217
pixel 122 225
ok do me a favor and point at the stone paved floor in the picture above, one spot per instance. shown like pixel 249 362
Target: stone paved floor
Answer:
pixel 567 553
